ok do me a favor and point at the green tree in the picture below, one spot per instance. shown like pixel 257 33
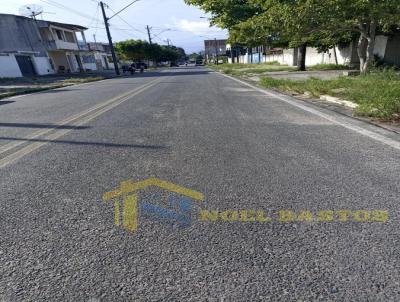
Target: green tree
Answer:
pixel 366 18
pixel 227 13
pixel 134 50
pixel 138 50
pixel 302 23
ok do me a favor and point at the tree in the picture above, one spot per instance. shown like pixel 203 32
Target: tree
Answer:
pixel 135 50
pixel 302 23
pixel 227 13
pixel 138 50
pixel 365 18
pixel 290 23
pixel 255 22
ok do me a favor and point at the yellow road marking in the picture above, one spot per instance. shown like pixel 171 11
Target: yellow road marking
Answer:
pixel 70 119
pixel 128 187
pixel 84 119
pixel 130 213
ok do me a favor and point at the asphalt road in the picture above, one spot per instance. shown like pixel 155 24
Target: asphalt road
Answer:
pixel 60 151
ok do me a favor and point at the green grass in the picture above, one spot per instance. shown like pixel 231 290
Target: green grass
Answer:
pixel 377 93
pixel 77 80
pixel 244 66
pixel 254 69
pixel 250 69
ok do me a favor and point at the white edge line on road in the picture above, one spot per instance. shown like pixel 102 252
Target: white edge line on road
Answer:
pixel 388 141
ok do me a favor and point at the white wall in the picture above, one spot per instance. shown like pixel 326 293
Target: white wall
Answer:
pixel 9 67
pixel 313 57
pixel 66 45
pixel 380 46
pixel 91 66
pixel 288 57
pixel 42 65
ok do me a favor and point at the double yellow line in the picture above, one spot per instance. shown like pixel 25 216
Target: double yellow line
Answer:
pixel 73 121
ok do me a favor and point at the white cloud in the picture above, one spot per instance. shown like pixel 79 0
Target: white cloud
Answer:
pixel 196 27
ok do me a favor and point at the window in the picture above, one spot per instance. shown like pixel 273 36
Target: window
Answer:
pixel 69 36
pixel 59 34
pixel 88 59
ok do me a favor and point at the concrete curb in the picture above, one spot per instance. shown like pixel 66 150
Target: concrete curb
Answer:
pixel 346 104
pixel 342 120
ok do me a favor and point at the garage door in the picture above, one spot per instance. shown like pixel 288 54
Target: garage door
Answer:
pixel 25 65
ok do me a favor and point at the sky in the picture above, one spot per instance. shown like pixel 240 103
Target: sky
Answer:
pixel 185 26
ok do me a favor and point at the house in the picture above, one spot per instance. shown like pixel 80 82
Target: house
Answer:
pixel 31 47
pixel 22 51
pixel 63 47
pixel 102 55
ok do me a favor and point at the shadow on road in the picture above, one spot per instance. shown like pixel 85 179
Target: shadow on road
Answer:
pixel 179 71
pixel 112 145
pixel 5 102
pixel 41 126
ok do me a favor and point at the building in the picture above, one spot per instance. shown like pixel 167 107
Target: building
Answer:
pixel 22 49
pixel 215 47
pixel 102 55
pixel 31 47
pixel 63 47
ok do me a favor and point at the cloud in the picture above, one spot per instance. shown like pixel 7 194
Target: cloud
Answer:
pixel 196 27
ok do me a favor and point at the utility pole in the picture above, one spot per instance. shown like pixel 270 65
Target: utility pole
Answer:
pixel 216 49
pixel 149 34
pixel 110 39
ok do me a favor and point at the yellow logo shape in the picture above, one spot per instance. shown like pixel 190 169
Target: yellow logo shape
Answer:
pixel 127 191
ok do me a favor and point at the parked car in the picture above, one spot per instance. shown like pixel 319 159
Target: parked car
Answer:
pixel 131 68
pixel 173 64
pixel 139 65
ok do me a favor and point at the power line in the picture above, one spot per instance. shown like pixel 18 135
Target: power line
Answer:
pixel 123 20
pixel 95 17
pixel 125 7
pixel 58 5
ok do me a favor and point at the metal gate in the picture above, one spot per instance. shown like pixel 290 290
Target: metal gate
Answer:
pixel 25 65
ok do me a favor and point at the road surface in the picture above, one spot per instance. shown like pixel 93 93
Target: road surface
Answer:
pixel 244 149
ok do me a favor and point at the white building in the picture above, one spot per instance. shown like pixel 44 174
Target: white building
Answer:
pixel 103 59
pixel 29 47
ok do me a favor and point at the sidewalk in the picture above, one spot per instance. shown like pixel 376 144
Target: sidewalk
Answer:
pixel 16 86
pixel 301 75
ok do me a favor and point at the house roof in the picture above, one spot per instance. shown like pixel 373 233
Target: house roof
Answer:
pixel 45 23
pixel 67 25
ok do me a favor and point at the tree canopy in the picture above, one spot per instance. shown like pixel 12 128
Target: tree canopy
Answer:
pixel 302 23
pixel 138 50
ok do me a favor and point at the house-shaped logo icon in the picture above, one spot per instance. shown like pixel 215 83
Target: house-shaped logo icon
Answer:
pixel 128 193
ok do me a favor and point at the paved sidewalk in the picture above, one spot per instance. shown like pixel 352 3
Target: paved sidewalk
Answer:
pixel 301 75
